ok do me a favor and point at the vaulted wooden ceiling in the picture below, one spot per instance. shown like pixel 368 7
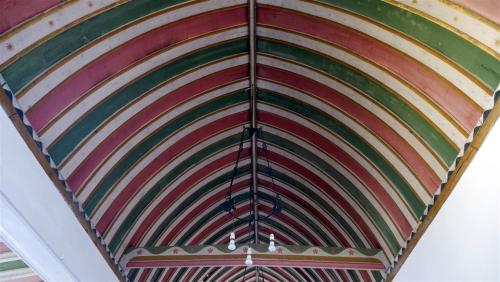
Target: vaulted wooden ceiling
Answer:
pixel 366 106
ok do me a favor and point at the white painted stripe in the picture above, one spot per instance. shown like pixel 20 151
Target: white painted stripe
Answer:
pixel 466 85
pixel 108 89
pixel 366 103
pixel 88 54
pixel 456 18
pixel 371 139
pixel 81 153
pixel 397 87
pixel 40 28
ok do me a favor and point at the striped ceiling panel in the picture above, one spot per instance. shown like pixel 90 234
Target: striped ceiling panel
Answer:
pixel 139 105
pixel 13 268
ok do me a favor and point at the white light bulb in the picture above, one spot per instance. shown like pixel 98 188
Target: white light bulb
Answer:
pixel 272 246
pixel 231 245
pixel 249 261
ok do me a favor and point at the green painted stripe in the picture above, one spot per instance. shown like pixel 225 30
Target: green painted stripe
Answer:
pixel 158 187
pixel 345 133
pixel 29 66
pixel 163 133
pixel 473 59
pixel 368 87
pixel 104 110
pixel 350 188
pixel 12 265
pixel 377 275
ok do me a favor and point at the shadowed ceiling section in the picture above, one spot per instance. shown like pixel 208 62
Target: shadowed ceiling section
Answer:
pixel 139 106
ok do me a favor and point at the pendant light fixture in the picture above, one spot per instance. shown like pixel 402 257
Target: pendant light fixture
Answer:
pixel 249 261
pixel 232 245
pixel 272 246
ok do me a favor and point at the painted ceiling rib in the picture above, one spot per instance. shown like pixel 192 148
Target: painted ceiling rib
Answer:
pixel 253 108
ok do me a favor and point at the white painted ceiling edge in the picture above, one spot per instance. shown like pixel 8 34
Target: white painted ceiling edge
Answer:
pixel 463 241
pixel 29 208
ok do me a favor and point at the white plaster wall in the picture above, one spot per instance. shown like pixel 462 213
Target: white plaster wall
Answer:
pixel 463 241
pixel 36 222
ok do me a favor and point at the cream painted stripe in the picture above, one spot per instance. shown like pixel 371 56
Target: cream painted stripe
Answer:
pixel 119 81
pixel 19 273
pixel 464 23
pixel 86 149
pixel 191 191
pixel 397 87
pixel 10 256
pixel 137 169
pixel 147 210
pixel 153 180
pixel 175 223
pixel 466 85
pixel 86 55
pixel 362 213
pixel 366 103
pixel 44 24
pixel 357 128
pixel 137 138
pixel 347 174
pixel 392 191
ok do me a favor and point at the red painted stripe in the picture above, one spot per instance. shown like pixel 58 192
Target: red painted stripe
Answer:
pixel 169 274
pixel 194 178
pixel 72 89
pixel 461 109
pixel 14 12
pixel 415 161
pixel 4 248
pixel 145 274
pixel 149 114
pixel 164 159
pixel 233 272
pixel 344 158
